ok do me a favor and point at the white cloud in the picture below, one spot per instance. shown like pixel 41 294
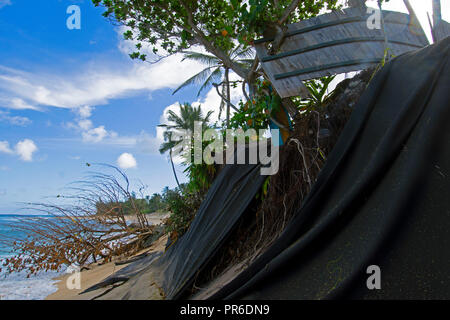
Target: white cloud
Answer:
pixel 4 3
pixel 93 84
pixel 4 147
pixel 145 142
pixel 126 161
pixel 16 104
pixel 20 104
pixel 25 149
pixel 142 142
pixel 85 126
pixel 95 135
pixel 14 120
pixel 85 111
pixel 97 82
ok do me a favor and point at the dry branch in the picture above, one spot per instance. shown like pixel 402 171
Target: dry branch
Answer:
pixel 92 227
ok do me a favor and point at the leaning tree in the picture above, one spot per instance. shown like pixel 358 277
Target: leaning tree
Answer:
pixel 171 26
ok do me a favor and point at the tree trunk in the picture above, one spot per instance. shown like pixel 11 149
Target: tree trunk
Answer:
pixel 173 169
pixel 227 82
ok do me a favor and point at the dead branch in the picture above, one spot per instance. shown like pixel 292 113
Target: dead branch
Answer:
pixel 92 227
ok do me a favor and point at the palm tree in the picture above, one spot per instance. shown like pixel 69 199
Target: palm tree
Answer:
pixel 185 121
pixel 216 71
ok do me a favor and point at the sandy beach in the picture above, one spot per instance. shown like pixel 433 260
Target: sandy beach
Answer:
pixel 98 271
pixel 153 218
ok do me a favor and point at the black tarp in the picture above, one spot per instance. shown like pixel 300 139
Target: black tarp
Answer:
pixel 229 196
pixel 382 198
pixel 225 202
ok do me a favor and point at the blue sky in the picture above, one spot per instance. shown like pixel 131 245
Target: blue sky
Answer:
pixel 68 97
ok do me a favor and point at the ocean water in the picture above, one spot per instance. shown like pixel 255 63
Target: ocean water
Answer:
pixel 16 286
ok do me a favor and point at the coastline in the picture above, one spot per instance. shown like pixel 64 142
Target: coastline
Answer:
pixel 153 218
pixel 98 271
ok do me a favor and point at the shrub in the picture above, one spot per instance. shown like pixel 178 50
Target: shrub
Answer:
pixel 183 205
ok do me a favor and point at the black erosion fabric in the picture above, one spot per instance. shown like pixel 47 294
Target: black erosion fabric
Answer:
pixel 382 198
pixel 225 202
pixel 174 270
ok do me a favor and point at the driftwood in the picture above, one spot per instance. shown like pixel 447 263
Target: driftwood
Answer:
pixel 92 229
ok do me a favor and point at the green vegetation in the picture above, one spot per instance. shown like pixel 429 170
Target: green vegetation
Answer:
pixel 217 26
pixel 128 207
pixel 178 136
pixel 219 34
pixel 256 113
pixel 96 226
pixel 319 93
pixel 184 201
pixel 217 71
pixel 155 203
pixel 183 205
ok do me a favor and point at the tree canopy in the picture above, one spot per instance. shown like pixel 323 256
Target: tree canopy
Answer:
pixel 218 26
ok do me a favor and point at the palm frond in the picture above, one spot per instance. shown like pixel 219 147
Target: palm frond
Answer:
pixel 179 121
pixel 215 75
pixel 185 120
pixel 165 146
pixel 208 116
pixel 242 53
pixel 202 58
pixel 197 78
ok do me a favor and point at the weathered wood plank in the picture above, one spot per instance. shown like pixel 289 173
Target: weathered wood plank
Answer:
pixel 441 30
pixel 334 43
